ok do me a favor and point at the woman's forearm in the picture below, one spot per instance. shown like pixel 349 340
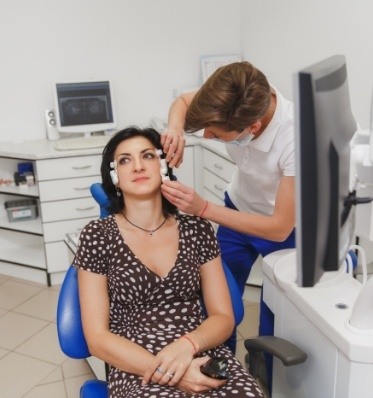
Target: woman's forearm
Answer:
pixel 120 352
pixel 214 331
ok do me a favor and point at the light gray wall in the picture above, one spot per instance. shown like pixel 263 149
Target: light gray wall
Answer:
pixel 146 47
pixel 149 47
pixel 280 37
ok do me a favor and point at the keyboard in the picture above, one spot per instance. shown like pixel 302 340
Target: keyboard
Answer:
pixel 95 141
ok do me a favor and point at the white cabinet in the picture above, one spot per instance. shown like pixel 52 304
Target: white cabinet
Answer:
pixel 217 172
pixel 185 173
pixel 65 202
pixel 35 249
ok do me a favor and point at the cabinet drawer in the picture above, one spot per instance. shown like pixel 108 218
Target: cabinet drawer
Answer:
pixel 57 256
pixel 56 231
pixel 66 189
pixel 218 165
pixel 51 169
pixel 69 209
pixel 214 184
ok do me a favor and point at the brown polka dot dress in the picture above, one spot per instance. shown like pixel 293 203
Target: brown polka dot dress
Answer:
pixel 154 311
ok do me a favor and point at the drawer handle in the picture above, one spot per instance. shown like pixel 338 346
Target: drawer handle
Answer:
pixel 218 166
pixel 84 208
pixel 82 167
pixel 81 188
pixel 218 187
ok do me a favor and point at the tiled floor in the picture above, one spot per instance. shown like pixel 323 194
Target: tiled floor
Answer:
pixel 31 362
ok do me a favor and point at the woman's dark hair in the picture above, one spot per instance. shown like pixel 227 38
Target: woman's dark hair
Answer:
pixel 116 203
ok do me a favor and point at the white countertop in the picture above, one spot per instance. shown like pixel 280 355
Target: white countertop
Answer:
pixel 44 149
pixel 40 149
pixel 320 304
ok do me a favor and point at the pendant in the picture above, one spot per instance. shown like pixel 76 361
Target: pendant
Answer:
pixel 151 233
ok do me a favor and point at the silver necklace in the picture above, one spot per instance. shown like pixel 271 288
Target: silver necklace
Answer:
pixel 149 231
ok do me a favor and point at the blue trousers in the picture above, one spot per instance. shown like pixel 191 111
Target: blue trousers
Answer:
pixel 240 252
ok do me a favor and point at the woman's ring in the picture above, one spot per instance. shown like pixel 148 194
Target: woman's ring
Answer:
pixel 170 375
pixel 159 370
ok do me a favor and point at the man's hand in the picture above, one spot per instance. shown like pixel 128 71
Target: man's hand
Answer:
pixel 173 143
pixel 183 197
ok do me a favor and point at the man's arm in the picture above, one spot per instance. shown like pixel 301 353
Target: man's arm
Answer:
pixel 276 227
pixel 172 138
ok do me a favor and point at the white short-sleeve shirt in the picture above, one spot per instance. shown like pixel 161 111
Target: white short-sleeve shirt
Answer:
pixel 262 164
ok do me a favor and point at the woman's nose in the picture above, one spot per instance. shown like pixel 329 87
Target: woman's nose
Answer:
pixel 138 164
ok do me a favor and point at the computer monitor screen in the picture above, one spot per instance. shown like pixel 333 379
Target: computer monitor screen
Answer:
pixel 84 107
pixel 324 128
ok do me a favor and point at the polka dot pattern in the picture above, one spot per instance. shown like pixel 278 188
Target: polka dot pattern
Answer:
pixel 154 311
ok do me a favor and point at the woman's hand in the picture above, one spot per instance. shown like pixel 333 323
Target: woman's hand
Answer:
pixel 170 364
pixel 182 371
pixel 173 143
pixel 183 197
pixel 193 381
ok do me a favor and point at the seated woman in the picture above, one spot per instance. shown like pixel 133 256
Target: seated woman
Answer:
pixel 141 271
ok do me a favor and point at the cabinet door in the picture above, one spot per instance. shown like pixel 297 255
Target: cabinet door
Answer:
pixel 185 173
pixel 22 248
pixel 57 256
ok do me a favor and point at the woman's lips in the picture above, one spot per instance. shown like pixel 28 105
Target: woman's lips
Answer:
pixel 140 179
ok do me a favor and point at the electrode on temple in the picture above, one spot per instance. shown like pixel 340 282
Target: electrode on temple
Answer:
pixel 163 164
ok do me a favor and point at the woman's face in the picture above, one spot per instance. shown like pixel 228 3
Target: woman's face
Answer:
pixel 138 167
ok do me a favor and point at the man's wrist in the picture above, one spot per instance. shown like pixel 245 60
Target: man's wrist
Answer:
pixel 203 210
pixel 174 130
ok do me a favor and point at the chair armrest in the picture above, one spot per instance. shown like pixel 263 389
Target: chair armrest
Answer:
pixel 287 352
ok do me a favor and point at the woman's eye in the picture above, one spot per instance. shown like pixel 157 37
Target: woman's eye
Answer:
pixel 123 160
pixel 149 155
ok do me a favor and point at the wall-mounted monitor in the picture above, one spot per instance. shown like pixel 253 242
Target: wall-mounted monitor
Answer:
pixel 84 107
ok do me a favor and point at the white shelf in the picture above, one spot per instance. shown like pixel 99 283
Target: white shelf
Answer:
pixel 28 226
pixel 32 191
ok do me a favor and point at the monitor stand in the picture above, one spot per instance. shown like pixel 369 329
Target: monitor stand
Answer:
pixel 317 320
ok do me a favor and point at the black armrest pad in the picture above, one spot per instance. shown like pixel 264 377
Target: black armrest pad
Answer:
pixel 287 352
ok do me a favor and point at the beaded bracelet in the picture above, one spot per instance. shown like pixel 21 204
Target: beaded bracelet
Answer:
pixel 204 209
pixel 191 342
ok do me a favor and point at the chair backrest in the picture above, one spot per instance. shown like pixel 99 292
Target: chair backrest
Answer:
pixel 100 196
pixel 69 323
